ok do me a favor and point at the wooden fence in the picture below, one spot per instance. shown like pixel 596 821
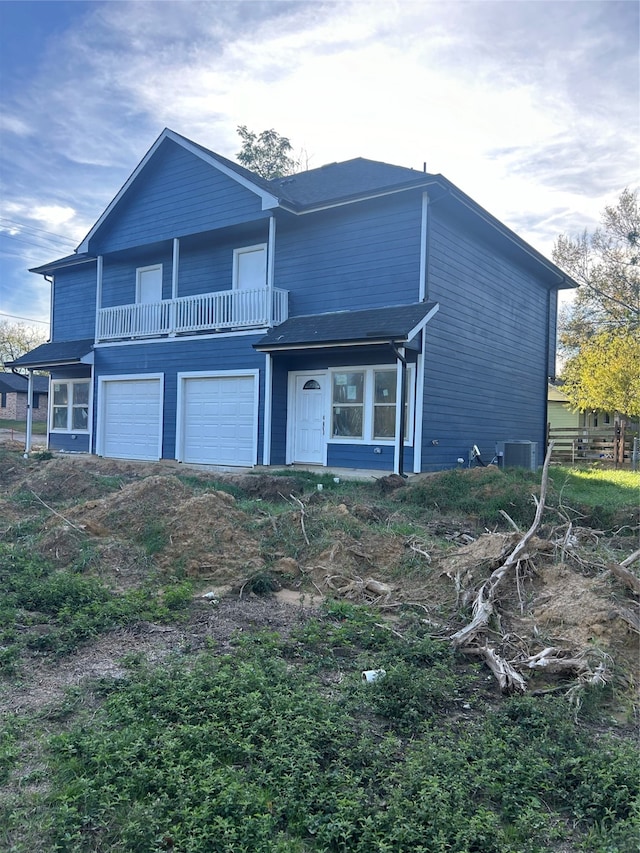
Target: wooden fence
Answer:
pixel 609 445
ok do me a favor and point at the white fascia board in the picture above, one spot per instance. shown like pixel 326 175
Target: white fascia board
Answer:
pixel 418 328
pixel 268 200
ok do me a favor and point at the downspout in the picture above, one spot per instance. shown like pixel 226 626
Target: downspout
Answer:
pixel 27 446
pixel 402 366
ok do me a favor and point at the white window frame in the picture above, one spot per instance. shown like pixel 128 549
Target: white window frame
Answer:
pixel 245 250
pixel 69 428
pixel 368 405
pixel 140 270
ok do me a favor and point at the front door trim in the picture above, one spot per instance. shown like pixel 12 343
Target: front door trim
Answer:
pixel 292 392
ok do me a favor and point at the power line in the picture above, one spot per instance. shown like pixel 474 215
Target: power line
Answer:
pixel 19 225
pixel 27 319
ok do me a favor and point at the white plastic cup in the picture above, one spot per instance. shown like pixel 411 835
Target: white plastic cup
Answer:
pixel 319 487
pixel 371 675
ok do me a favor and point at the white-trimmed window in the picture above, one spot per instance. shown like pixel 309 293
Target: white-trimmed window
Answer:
pixel 363 404
pixel 149 284
pixel 70 405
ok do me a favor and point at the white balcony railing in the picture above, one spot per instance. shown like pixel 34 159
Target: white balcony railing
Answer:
pixel 225 309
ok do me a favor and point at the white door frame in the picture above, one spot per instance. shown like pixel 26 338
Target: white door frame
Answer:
pixel 293 377
pixel 214 374
pixel 102 404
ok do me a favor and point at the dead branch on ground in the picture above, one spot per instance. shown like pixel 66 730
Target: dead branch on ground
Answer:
pixel 483 605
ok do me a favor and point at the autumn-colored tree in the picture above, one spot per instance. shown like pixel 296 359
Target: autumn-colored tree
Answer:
pixel 599 332
pixel 605 375
pixel 16 339
pixel 268 154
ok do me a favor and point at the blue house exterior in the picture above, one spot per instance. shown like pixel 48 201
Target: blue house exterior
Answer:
pixel 216 318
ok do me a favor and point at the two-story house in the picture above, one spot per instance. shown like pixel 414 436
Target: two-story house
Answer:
pixel 358 315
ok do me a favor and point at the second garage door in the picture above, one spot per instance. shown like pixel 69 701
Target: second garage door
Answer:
pixel 219 420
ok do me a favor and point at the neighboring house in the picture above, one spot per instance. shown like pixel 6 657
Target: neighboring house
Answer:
pixel 560 414
pixel 214 317
pixel 13 397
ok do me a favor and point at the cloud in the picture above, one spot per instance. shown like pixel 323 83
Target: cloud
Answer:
pixel 530 107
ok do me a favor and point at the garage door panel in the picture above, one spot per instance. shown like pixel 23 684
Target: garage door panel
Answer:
pixel 219 420
pixel 132 412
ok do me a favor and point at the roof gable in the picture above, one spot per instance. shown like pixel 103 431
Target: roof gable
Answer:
pixel 238 174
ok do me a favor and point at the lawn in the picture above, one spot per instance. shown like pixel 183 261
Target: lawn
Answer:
pixel 38 427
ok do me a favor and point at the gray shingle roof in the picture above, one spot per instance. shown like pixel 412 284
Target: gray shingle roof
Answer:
pixel 398 323
pixel 54 354
pixel 18 382
pixel 339 181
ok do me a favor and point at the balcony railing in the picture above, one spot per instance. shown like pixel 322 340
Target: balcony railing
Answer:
pixel 225 309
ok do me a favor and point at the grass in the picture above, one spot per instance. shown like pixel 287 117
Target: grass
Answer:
pixel 603 498
pixel 37 427
pixel 251 752
pixel 46 611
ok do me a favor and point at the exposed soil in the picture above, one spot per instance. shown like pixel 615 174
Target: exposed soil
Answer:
pixel 129 523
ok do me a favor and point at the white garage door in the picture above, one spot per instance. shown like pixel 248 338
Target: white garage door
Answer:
pixel 132 418
pixel 219 420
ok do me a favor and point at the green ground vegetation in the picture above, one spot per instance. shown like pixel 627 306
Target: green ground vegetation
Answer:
pixel 278 745
pixel 274 744
pixel 37 428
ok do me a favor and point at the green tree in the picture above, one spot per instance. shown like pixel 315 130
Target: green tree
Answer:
pixel 605 374
pixel 599 331
pixel 268 154
pixel 16 339
pixel 606 265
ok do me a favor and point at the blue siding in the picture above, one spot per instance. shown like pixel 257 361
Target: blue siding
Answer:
pixel 364 255
pixel 363 456
pixel 486 350
pixel 69 442
pixel 176 194
pixel 74 303
pixel 119 275
pixel 205 265
pixel 178 356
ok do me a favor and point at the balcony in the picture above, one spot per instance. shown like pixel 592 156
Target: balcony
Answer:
pixel 205 312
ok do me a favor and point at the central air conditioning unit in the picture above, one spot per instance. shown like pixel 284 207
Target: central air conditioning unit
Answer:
pixel 521 454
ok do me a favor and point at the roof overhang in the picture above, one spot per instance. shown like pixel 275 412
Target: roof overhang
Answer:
pixel 52 355
pixel 397 325
pixel 65 263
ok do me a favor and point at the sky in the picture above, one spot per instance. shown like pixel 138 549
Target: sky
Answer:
pixel 531 107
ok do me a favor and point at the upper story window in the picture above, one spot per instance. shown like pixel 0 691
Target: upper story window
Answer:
pixel 70 406
pixel 363 404
pixel 250 267
pixel 149 284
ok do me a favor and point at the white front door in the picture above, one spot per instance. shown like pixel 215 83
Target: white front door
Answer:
pixel 309 418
